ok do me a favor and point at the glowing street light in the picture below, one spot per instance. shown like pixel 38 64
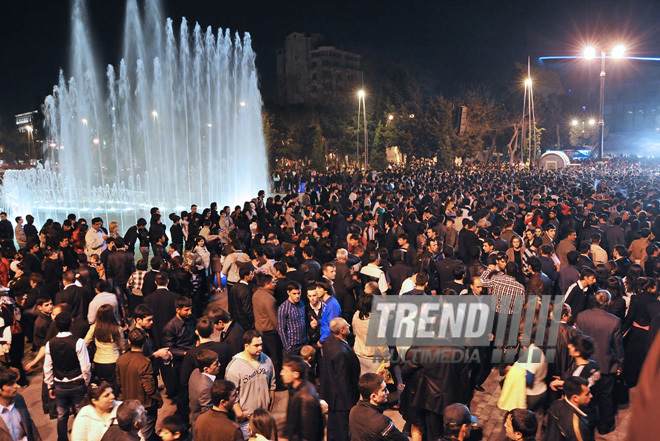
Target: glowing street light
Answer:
pixel 575 122
pixel 84 121
pixel 592 122
pixel 618 51
pixel 242 104
pixel 154 114
pixel 528 81
pixel 390 117
pixel 589 53
pixel 362 105
pixel 95 141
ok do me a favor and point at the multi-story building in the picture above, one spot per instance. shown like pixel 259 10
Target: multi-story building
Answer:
pixel 310 72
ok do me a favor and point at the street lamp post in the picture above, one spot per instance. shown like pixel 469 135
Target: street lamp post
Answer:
pixel 590 53
pixel 362 105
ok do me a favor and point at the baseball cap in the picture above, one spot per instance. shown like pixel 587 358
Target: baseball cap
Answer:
pixel 459 414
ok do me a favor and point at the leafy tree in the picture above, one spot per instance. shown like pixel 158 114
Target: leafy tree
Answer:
pixel 318 153
pixel 377 149
pixel 584 135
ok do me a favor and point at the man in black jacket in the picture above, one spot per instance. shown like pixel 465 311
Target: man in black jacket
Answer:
pixel 203 330
pixel 7 235
pixel 74 296
pixel 367 422
pixel 576 294
pixel 226 330
pixel 340 372
pixel 304 417
pixel 344 285
pixel 240 298
pixel 179 337
pixel 161 303
pixel 565 419
pixel 446 266
pixel 121 265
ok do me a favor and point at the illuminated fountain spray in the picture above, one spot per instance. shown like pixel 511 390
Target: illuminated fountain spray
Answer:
pixel 177 122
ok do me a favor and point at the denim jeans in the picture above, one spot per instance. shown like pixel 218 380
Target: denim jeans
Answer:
pixel 67 395
pixel 149 429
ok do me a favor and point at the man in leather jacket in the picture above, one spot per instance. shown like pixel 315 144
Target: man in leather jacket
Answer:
pixel 304 416
pixel 366 421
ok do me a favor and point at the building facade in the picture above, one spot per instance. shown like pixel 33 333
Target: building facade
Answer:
pixel 311 72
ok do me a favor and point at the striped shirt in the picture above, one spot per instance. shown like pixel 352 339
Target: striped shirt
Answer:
pixel 291 324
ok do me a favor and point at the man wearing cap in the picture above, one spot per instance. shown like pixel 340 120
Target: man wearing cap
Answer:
pixel 458 422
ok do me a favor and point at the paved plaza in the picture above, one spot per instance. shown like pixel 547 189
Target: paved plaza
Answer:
pixel 484 406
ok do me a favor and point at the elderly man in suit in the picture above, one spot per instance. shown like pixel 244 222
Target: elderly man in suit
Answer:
pixel 340 373
pixel 605 329
pixel 16 423
pixel 200 382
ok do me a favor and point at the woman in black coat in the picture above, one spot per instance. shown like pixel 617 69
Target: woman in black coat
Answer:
pixel 636 328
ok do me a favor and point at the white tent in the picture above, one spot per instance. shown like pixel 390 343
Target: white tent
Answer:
pixel 554 160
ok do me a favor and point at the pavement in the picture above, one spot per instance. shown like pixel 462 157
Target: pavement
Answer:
pixel 484 406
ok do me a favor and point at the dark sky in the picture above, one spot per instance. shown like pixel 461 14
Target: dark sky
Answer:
pixel 444 42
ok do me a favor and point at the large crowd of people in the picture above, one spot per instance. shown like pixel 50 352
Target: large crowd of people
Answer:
pixel 217 309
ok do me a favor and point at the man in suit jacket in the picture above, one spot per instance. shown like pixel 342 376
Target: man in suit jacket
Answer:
pixel 216 424
pixel 340 372
pixel 161 303
pixel 74 296
pixel 200 382
pixel 14 404
pixel 539 283
pixel 566 421
pixel 240 298
pixel 446 266
pixel 226 330
pixel 576 295
pixel 149 281
pixel 344 285
pixel 135 376
pixel 398 272
pixel 605 329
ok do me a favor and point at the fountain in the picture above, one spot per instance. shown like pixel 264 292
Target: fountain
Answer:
pixel 177 122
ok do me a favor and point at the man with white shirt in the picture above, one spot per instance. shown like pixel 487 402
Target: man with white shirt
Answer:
pixel 67 371
pixel 16 420
pixel 95 238
pixel 103 297
pixel 598 254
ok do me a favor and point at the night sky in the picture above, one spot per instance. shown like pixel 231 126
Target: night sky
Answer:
pixel 444 43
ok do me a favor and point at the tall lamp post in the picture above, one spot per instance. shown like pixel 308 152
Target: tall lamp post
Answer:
pixel 589 53
pixel 362 105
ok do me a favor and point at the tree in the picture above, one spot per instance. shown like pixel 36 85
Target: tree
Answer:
pixel 318 153
pixel 377 149
pixel 584 135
